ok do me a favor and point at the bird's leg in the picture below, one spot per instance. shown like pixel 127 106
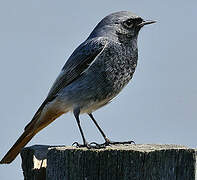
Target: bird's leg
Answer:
pixel 107 140
pixel 100 130
pixel 85 144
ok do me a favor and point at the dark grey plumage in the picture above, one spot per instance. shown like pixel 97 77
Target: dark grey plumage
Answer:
pixel 93 75
pixel 102 65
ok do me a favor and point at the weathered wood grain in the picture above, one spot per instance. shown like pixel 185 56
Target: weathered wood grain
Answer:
pixel 122 162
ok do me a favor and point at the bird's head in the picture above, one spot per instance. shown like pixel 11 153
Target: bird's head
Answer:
pixel 121 26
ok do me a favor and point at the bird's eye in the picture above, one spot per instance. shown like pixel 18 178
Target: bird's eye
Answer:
pixel 138 20
pixel 128 23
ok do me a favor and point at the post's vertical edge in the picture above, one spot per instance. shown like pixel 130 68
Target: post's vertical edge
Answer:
pixel 27 163
pixel 196 164
pixel 34 162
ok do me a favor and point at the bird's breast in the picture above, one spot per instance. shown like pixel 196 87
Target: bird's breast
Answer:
pixel 121 65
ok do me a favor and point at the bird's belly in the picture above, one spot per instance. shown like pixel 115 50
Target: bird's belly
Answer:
pixel 94 90
pixel 93 106
pixel 87 95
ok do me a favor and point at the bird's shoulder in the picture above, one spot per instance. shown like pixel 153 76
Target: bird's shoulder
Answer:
pixel 77 63
pixel 87 49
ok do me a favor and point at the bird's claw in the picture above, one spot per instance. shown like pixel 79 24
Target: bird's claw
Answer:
pixel 97 145
pixel 107 143
pixel 94 145
pixel 75 144
pixel 80 145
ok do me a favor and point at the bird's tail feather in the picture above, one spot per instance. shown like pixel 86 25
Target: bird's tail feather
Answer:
pixel 16 148
pixel 27 135
pixel 39 121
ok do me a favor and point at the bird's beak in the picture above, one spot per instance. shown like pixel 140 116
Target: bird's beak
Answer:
pixel 146 22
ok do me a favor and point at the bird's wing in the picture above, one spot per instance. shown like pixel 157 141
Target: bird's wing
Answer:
pixel 78 62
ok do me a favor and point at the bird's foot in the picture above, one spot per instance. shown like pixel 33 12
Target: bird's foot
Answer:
pixel 108 143
pixel 87 145
pixel 95 145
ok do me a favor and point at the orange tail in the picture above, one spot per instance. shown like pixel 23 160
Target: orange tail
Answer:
pixel 30 131
pixel 36 124
pixel 16 148
pixel 27 135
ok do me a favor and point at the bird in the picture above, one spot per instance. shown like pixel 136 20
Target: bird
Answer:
pixel 97 70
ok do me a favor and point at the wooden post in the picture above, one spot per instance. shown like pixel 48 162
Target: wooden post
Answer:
pixel 120 162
